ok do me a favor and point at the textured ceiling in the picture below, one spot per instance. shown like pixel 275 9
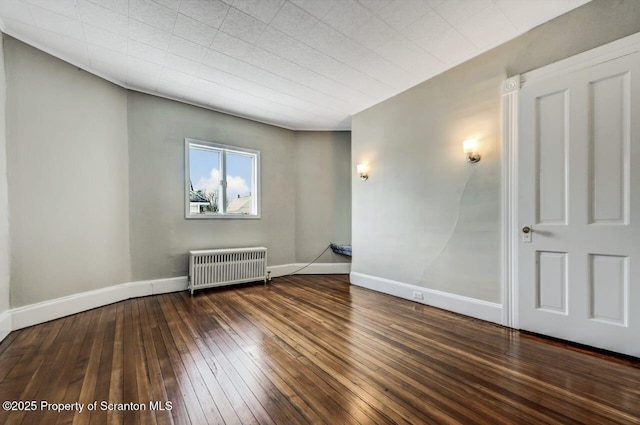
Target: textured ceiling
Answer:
pixel 301 64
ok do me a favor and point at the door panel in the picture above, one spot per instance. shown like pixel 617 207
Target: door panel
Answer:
pixel 609 275
pixel 552 282
pixel 578 176
pixel 552 144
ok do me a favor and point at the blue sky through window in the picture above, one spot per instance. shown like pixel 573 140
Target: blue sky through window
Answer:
pixel 239 175
pixel 205 173
pixel 202 162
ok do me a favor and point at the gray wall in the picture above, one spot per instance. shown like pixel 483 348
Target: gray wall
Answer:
pixel 425 216
pixel 322 194
pixel 68 178
pixel 4 202
pixel 160 235
pixel 305 198
pixel 96 183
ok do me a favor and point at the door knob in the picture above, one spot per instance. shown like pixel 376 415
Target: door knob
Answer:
pixel 527 230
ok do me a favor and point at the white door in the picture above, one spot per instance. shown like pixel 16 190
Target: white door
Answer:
pixel 579 192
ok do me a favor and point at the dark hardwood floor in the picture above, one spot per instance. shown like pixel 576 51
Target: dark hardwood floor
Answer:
pixel 304 349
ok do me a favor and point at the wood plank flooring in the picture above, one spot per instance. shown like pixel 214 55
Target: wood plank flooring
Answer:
pixel 304 350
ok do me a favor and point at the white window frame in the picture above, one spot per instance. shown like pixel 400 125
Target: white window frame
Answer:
pixel 223 150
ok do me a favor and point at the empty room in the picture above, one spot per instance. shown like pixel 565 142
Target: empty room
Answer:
pixel 320 212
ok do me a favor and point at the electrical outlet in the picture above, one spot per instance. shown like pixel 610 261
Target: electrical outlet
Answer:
pixel 418 296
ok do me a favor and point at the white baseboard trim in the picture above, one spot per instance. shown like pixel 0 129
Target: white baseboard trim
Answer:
pixel 283 270
pixel 6 325
pixel 172 284
pixel 491 312
pixel 317 268
pixel 45 311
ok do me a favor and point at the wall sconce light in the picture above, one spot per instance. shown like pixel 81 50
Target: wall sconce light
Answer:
pixel 470 147
pixel 363 171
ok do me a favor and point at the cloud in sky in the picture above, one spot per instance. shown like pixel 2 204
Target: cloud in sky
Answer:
pixel 236 185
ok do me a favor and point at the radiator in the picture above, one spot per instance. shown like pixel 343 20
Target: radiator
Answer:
pixel 219 267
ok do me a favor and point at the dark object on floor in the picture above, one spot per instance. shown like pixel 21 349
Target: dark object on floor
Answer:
pixel 341 249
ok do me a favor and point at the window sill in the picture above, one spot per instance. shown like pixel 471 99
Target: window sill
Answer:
pixel 223 217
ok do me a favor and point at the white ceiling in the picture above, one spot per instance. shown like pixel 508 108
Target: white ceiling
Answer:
pixel 300 64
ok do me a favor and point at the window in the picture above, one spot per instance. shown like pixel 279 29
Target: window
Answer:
pixel 221 181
